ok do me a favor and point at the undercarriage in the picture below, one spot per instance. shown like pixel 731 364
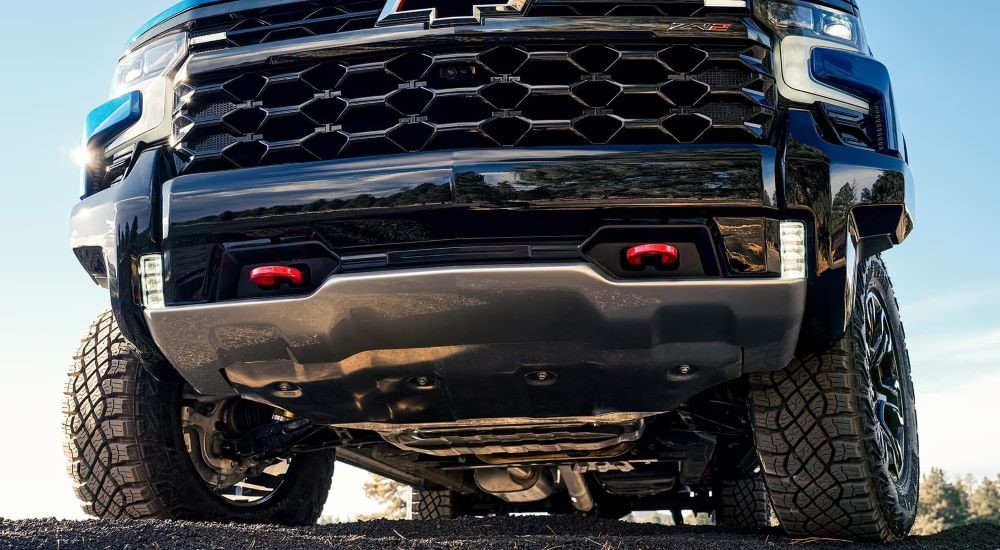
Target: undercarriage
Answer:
pixel 611 464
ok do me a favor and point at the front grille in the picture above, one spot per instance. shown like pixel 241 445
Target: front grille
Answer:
pixel 464 97
pixel 283 22
pixel 321 17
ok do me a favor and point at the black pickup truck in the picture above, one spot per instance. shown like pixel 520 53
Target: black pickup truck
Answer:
pixel 563 256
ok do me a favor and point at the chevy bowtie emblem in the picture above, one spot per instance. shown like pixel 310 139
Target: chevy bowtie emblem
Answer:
pixel 445 12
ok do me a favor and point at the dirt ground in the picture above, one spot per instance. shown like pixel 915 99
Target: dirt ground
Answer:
pixel 543 532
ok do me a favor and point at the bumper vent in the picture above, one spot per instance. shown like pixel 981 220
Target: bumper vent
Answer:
pixel 510 95
pixel 110 171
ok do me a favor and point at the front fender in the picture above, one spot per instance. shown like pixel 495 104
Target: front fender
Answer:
pixel 861 202
pixel 111 229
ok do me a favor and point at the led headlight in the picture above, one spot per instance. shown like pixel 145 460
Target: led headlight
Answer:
pixel 139 109
pixel 150 61
pixel 149 70
pixel 801 27
pixel 805 19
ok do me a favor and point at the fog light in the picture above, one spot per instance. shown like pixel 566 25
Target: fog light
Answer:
pixel 793 250
pixel 151 281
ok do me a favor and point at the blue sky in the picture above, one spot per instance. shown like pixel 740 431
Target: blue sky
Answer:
pixel 58 56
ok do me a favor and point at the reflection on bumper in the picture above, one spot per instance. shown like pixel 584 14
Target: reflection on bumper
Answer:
pixel 441 345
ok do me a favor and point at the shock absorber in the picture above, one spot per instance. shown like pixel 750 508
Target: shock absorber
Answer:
pixel 245 415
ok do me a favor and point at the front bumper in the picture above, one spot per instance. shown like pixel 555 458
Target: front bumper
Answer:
pixel 454 344
pixel 476 331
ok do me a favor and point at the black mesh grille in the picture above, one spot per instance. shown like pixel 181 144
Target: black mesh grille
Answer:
pixel 511 95
pixel 296 20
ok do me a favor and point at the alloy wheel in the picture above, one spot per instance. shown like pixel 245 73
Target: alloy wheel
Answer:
pixel 887 393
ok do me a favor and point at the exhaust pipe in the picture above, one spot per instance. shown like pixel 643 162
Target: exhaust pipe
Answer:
pixel 579 494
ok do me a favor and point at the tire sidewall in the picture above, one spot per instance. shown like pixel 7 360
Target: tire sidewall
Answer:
pixel 897 498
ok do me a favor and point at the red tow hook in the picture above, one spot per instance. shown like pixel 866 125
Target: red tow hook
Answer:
pixel 273 275
pixel 667 254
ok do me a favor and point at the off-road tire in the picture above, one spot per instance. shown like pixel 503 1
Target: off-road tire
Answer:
pixel 611 508
pixel 818 441
pixel 742 504
pixel 127 455
pixel 426 505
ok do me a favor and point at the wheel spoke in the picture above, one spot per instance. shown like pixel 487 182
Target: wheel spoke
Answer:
pixel 890 389
pixel 894 450
pixel 880 342
pixel 886 389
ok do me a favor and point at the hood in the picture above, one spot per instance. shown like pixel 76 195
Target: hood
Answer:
pixel 170 12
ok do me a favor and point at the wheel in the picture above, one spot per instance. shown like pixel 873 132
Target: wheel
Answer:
pixel 742 504
pixel 128 437
pixel 610 507
pixel 444 504
pixel 606 504
pixel 426 505
pixel 837 431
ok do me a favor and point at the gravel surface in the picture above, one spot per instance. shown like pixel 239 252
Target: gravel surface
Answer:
pixel 543 532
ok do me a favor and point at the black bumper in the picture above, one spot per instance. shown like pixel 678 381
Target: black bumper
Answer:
pixel 373 208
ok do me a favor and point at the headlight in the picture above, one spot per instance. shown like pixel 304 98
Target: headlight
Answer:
pixel 801 27
pixel 152 60
pixel 806 19
pixel 140 105
pixel 149 70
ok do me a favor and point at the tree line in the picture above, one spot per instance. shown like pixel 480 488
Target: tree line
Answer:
pixel 946 503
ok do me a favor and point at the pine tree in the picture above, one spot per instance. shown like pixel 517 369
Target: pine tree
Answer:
pixel 965 485
pixel 942 505
pixel 984 502
pixel 392 496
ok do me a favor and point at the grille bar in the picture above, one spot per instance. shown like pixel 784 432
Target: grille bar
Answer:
pixel 555 94
pixel 286 21
pixel 290 20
